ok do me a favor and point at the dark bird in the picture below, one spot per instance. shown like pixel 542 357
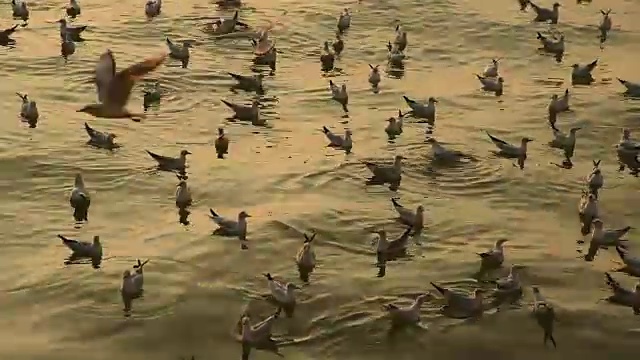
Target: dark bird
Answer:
pixel 338 44
pixel 622 296
pixel 71 32
pixel 222 144
pixel 327 59
pixel 390 250
pixel 544 315
pixel 167 163
pixel 20 10
pixel 83 250
pixel 306 258
pixel 100 139
pixel 259 336
pixel 67 48
pixel 5 36
pixel 80 200
pixel 180 53
pixel 249 83
pixel 73 9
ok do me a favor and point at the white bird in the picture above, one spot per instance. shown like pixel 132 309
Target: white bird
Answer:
pixel 492 69
pixel 507 149
pixel 400 41
pixel 492 259
pixel 20 10
pixel 601 238
pixel 587 212
pixel 178 52
pixel 344 21
pixel 29 110
pixel 374 76
pixel 228 227
pixel 386 173
pixel 132 286
pixel 415 219
pixel 493 85
pixel 283 294
pixel 605 25
pixel 80 199
pixel 582 74
pixel 394 128
pixel 183 195
pixel 633 89
pixel 171 164
pixel 153 8
pixel 440 153
pixel 595 179
pixel 564 141
pixel 544 14
pixel 544 314
pixel 247 113
pixel 100 139
pixel 73 9
pixel 622 296
pixel 406 315
pixel 340 94
pixel 339 142
pixel 259 336
pixel 461 305
pixel 552 44
pixel 422 111
pixel 83 250
pixel 306 258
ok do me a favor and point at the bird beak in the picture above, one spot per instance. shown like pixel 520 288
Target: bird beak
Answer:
pixel 188 152
pixel 247 215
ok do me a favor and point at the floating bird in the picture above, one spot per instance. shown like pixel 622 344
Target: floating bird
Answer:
pixel 227 227
pixel 226 26
pixel 80 199
pixel 327 59
pixel 374 76
pixel 633 89
pixel 630 160
pixel 492 85
pixel 340 95
pixel 167 163
pixel 509 150
pixel 71 32
pixel 385 173
pixel 183 195
pixel 338 44
pixel 544 315
pixel 552 44
pixel 153 8
pixel 114 88
pixel 73 9
pixel 178 52
pixel 389 250
pixel 422 111
pixel 247 113
pixel 605 25
pixel 67 48
pixel 546 15
pixel 344 21
pixel 491 70
pixel 394 128
pixel 492 259
pixel 259 336
pixel 29 110
pixel 460 305
pixel 306 258
pixel 559 104
pixel 400 41
pixel 409 217
pixel 249 83
pixel 151 96
pixel 622 296
pixel 587 211
pixel 222 144
pixel 5 36
pixel 523 4
pixel 264 50
pixel 602 239
pixel 132 286
pixel 395 57
pixel 283 294
pixel 100 139
pixel 631 264
pixel 20 10
pixel 404 316
pixel 440 153
pixel 339 142
pixel 595 179
pixel 564 142
pixel 508 289
pixel 626 143
pixel 229 3
pixel 582 74
pixel 83 250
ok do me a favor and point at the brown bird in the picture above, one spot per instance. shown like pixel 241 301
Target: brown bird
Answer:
pixel 222 144
pixel 114 88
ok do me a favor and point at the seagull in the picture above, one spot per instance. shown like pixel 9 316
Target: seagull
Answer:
pixel 259 336
pixel 404 316
pixel 582 74
pixel 132 286
pixel 80 200
pixel 222 144
pixel 604 238
pixel 491 70
pixel 630 160
pixel 5 39
pixel 605 25
pixel 151 96
pixel 226 26
pixel 100 139
pixel 29 110
pixel 552 45
pixel 508 289
pixel 344 21
pixel 183 195
pixel 492 259
pixel 544 14
pixel 633 89
pixel 587 212
pixel 595 179
pixel 394 128
pixel 386 173
pixel 283 294
pixel 306 258
pixel 328 58
pixel 83 250
pixel 409 217
pixel 338 44
pixel 20 10
pixel 153 8
pixel 440 153
pixel 622 296
pixel 422 111
pixel 395 57
pixel 73 9
pixel 340 95
pixel 171 164
pixel 631 264
pixel 72 33
pixel 563 141
pixel 339 142
pixel 247 113
pixel 249 83
pixel 492 85
pixel 559 104
pixel 67 47
pixel 227 227
pixel 508 150
pixel 114 88
pixel 626 143
pixel 544 315
pixel 178 52
pixel 374 76
pixel 389 250
pixel 459 304
pixel 400 42
pixel 264 51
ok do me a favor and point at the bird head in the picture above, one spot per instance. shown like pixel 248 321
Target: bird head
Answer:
pixel 185 153
pixel 526 140
pixel 598 224
pixel 96 240
pixel 556 5
pixel 554 97
pixel 432 100
pixel 62 21
pixel 243 215
pixel 126 274
pixel 399 158
pixel 575 66
pixel 574 129
pixel 535 289
pixel 420 209
pixel 500 242
pixel 500 80
pixel 291 287
pixel 220 131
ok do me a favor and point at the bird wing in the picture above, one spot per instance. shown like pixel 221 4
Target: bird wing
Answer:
pixel 499 142
pixel 120 86
pixel 104 73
